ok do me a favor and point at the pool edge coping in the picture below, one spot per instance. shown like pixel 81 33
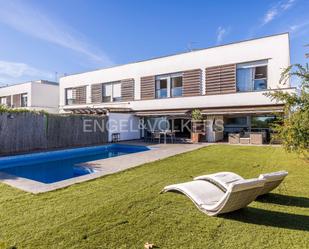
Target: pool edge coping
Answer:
pixel 106 167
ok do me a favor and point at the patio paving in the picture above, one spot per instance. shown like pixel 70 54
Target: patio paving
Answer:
pixel 104 166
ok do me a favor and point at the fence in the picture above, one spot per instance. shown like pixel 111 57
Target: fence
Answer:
pixel 28 131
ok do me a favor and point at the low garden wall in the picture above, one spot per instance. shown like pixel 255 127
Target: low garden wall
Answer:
pixel 30 131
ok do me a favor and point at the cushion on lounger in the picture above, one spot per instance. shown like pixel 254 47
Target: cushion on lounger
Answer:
pixel 246 184
pixel 275 176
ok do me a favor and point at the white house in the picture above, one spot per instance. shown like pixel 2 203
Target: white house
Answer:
pixel 32 95
pixel 226 83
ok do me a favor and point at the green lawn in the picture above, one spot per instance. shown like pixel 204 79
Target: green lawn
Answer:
pixel 125 210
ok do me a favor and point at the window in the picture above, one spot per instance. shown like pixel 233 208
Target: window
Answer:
pixel 251 76
pixel 260 78
pixel 107 93
pixel 168 86
pixel 69 96
pixel 116 92
pixel 111 92
pixel 236 121
pixel 161 88
pixel 24 100
pixel 262 121
pixel 3 101
pixel 176 86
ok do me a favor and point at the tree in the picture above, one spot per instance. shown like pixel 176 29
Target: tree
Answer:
pixel 293 127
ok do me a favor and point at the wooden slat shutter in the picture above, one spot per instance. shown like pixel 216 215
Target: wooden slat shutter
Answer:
pixel 96 93
pixel 127 89
pixel 17 100
pixel 80 94
pixel 221 79
pixel 148 87
pixel 8 101
pixel 192 81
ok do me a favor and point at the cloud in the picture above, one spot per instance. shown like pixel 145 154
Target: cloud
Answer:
pixel 270 15
pixel 299 29
pixel 35 22
pixel 10 71
pixel 221 32
pixel 287 4
pixel 277 10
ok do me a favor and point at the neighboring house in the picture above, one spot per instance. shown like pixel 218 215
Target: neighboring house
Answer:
pixel 32 95
pixel 226 83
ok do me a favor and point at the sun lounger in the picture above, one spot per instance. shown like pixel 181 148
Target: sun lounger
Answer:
pixel 212 200
pixel 224 179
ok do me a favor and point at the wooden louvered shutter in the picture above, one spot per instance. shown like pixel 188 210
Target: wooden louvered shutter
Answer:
pixel 80 94
pixel 8 101
pixel 192 81
pixel 96 93
pixel 17 100
pixel 148 87
pixel 127 89
pixel 221 79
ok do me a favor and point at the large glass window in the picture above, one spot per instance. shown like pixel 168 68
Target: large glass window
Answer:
pixel 107 93
pixel 168 86
pixel 3 101
pixel 260 78
pixel 236 121
pixel 69 99
pixel 260 122
pixel 161 88
pixel 176 86
pixel 116 92
pixel 251 76
pixel 111 92
pixel 24 100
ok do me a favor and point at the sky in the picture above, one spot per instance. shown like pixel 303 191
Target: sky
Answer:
pixel 45 39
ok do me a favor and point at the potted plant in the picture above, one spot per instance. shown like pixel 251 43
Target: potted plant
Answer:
pixel 197 125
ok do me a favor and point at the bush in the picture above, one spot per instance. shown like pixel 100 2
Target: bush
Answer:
pixel 293 128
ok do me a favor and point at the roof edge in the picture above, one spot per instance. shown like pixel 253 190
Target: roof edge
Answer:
pixel 170 55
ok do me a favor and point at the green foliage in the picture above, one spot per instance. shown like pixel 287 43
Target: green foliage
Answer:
pixel 4 109
pixel 125 210
pixel 196 115
pixel 293 128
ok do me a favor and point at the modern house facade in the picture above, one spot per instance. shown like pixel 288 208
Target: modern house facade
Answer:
pixel 225 83
pixel 32 95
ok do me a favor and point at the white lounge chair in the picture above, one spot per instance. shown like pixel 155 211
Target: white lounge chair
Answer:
pixel 213 201
pixel 224 179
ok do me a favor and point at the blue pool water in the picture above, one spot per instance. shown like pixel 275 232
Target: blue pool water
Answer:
pixel 54 166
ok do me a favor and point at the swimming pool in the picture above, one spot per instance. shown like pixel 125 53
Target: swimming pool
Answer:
pixel 55 166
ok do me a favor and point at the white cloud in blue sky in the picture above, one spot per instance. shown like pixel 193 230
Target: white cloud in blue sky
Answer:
pixel 39 38
pixel 17 70
pixel 34 22
pixel 221 33
pixel 277 10
pixel 300 28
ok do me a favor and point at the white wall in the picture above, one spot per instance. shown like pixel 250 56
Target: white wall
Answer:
pixel 273 48
pixel 45 96
pixel 125 124
pixel 207 101
pixel 211 135
pixel 17 89
pixel 41 96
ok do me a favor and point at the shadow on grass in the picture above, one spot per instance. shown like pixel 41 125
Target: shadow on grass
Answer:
pixel 270 218
pixel 284 200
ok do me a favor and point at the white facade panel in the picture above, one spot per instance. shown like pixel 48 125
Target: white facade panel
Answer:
pixel 125 124
pixel 41 96
pixel 274 49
